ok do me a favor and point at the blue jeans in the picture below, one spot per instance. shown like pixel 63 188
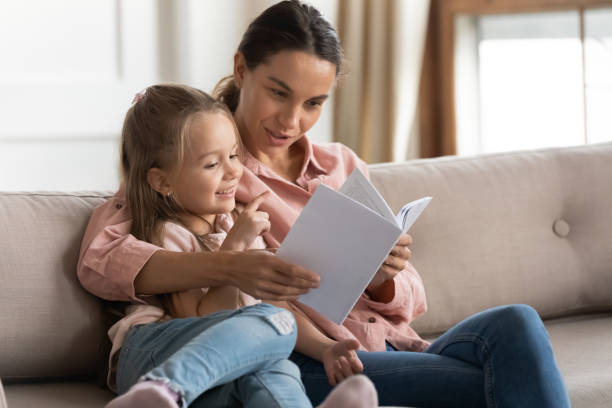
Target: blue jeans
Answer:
pixel 500 357
pixel 229 358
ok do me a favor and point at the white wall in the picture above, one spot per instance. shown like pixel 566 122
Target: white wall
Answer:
pixel 69 70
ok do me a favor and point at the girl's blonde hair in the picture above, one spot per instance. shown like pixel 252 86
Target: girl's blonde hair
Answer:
pixel 155 135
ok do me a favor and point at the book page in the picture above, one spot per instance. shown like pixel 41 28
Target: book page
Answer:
pixel 359 188
pixel 410 212
pixel 342 241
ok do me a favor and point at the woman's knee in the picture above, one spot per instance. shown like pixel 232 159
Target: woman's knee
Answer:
pixel 521 319
pixel 518 312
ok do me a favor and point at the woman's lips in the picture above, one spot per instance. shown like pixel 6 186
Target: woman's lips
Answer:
pixel 277 139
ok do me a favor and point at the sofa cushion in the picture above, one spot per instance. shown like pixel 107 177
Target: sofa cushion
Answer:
pixel 582 350
pixel 57 395
pixel 529 227
pixel 50 325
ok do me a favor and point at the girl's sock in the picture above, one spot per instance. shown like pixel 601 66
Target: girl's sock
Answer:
pixel 356 391
pixel 146 394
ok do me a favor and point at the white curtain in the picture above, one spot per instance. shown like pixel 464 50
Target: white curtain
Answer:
pixel 376 102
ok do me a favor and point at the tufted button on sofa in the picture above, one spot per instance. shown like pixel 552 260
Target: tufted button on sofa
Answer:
pixel 561 228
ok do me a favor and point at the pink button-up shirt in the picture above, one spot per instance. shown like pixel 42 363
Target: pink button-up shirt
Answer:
pixel 370 322
pixel 111 259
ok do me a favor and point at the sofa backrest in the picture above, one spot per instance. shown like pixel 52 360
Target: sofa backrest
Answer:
pixel 525 227
pixel 529 227
pixel 49 326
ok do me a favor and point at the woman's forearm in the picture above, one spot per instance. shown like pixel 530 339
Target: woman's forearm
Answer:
pixel 258 273
pixel 168 271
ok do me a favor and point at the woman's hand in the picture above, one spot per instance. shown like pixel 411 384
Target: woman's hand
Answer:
pixel 265 276
pixel 394 264
pixel 249 224
pixel 341 361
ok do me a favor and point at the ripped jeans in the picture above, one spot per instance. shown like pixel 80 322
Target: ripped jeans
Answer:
pixel 229 358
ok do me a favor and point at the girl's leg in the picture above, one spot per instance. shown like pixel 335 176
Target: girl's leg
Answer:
pixel 253 390
pixel 512 346
pixel 283 376
pixel 405 378
pixel 354 392
pixel 197 354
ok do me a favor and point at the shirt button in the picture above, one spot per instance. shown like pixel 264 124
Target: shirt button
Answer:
pixel 118 206
pixel 372 320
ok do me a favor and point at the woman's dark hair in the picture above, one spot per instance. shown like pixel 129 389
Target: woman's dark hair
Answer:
pixel 288 25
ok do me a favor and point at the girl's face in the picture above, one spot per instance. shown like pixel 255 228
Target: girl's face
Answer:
pixel 207 181
pixel 281 99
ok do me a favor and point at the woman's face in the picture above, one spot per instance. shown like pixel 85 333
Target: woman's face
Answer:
pixel 280 99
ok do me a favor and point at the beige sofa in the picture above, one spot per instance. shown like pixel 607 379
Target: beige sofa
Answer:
pixel 527 227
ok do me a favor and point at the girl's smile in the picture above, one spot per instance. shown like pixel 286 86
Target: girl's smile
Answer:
pixel 228 193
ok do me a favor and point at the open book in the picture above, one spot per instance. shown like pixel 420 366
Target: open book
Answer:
pixel 345 236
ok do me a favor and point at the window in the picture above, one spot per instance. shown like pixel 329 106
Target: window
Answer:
pixel 533 80
pixel 598 74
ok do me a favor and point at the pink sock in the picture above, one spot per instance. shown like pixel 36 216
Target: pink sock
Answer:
pixel 146 394
pixel 356 391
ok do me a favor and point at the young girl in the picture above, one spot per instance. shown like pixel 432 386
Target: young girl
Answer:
pixel 209 346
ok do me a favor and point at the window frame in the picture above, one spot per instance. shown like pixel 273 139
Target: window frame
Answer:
pixel 437 93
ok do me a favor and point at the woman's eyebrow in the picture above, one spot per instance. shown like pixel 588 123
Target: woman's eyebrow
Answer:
pixel 320 98
pixel 280 83
pixel 288 89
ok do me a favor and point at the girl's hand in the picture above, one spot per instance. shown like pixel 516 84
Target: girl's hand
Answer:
pixel 249 224
pixel 394 264
pixel 340 361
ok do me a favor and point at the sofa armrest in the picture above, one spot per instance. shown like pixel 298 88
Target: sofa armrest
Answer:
pixel 3 403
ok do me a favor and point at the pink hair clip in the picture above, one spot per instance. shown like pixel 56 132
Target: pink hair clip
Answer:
pixel 139 96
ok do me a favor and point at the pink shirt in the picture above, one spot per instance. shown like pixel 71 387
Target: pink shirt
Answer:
pixel 111 258
pixel 371 323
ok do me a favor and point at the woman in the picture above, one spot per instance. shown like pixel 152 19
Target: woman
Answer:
pixel 284 70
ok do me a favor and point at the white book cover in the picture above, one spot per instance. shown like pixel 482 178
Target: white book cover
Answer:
pixel 345 236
